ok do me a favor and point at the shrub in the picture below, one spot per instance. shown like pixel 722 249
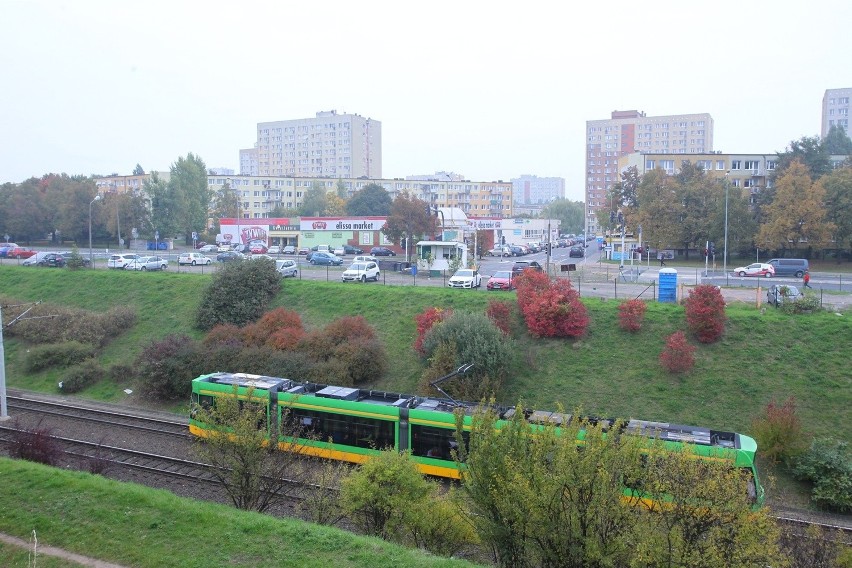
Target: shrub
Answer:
pixel 500 313
pixel 556 311
pixel 75 260
pixel 264 361
pixel 81 376
pixel 238 294
pixel 828 465
pixel 705 313
pixel 282 324
pixel 425 321
pixel 442 362
pixel 224 335
pixel 630 315
pixel 46 323
pixel 476 341
pixel 779 431
pixel 804 305
pixel 530 284
pixel 57 355
pixel 347 352
pixel 678 356
pixel 167 367
pixel 35 444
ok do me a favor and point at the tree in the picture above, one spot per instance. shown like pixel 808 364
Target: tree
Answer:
pixel 191 195
pixel 256 282
pixel 409 218
pixel 226 204
pixel 796 214
pixel 371 200
pixel 138 171
pixel 315 201
pixel 838 205
pixel 837 142
pixel 571 214
pixel 661 209
pixel 536 500
pixel 164 206
pixel 336 206
pixel 342 192
pixel 808 150
pixel 254 474
pixel 24 211
pixel 696 196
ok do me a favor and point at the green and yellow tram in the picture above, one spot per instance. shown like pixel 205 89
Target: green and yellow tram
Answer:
pixel 352 424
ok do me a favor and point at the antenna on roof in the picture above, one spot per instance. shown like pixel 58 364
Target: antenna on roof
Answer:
pixel 460 371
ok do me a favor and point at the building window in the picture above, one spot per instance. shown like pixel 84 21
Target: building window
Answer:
pixel 736 164
pixel 720 164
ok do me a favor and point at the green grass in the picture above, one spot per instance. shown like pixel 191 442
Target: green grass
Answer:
pixel 132 525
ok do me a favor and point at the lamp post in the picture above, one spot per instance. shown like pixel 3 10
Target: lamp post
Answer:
pixel 725 257
pixel 92 202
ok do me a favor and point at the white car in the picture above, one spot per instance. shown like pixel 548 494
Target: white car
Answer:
pixel 361 272
pixel 339 251
pixel 363 258
pixel 274 249
pixel 465 278
pixel 223 248
pixel 147 263
pixel 756 269
pixel 120 260
pixel 209 248
pixel 500 251
pixel 193 258
pixel 287 268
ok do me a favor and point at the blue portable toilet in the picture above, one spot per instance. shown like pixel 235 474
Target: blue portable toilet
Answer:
pixel 668 285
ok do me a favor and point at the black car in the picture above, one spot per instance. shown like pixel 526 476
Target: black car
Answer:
pixel 576 251
pixel 54 260
pixel 349 249
pixel 522 265
pixel 381 251
pixel 229 256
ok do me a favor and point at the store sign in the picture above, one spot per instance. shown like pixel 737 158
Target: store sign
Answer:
pixel 341 224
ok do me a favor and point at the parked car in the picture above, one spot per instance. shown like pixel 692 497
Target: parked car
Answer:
pixel 325 258
pixel 756 269
pixel 258 248
pixel 779 293
pixel 349 249
pixel 500 251
pixel 261 257
pixel 229 256
pixel 339 251
pixel 19 252
pixel 517 251
pixel 53 259
pixel 244 249
pixel 224 247
pixel 365 258
pixel 274 249
pixel 193 258
pixel 789 266
pixel 304 250
pixel 209 248
pixel 287 268
pixel 381 251
pixel 522 265
pixel 35 259
pixel 577 251
pixel 361 271
pixel 6 247
pixel 147 263
pixel 120 260
pixel 200 244
pixel 289 249
pixel 465 278
pixel 501 280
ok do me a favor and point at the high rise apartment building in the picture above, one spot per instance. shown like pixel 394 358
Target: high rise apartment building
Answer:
pixel 533 190
pixel 329 145
pixel 835 109
pixel 628 132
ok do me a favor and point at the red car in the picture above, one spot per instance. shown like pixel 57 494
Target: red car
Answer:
pixel 258 249
pixel 501 280
pixel 19 252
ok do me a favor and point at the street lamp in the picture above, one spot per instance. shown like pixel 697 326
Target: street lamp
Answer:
pixel 97 197
pixel 725 257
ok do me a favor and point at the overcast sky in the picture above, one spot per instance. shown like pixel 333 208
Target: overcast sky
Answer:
pixel 477 88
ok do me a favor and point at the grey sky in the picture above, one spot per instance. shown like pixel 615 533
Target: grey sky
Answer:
pixel 491 90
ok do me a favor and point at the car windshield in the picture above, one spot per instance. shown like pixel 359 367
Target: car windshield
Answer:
pixel 358 266
pixel 465 273
pixel 502 274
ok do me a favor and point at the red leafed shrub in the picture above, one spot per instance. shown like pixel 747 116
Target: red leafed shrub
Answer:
pixel 224 335
pixel 349 328
pixel 285 339
pixel 346 352
pixel 530 284
pixel 425 321
pixel 705 313
pixel 500 313
pixel 678 356
pixel 556 311
pixel 779 432
pixel 630 314
pixel 260 332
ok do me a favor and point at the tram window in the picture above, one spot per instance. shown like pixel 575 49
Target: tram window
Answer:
pixel 346 430
pixel 205 401
pixel 428 441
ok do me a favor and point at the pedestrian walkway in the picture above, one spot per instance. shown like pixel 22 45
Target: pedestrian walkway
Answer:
pixel 57 553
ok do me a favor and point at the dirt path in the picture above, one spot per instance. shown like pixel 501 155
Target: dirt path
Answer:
pixel 58 553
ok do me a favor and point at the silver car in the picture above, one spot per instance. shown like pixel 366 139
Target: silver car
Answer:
pixel 779 293
pixel 147 263
pixel 287 268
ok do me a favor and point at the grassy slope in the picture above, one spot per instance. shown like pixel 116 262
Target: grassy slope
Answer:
pixel 132 525
pixel 763 355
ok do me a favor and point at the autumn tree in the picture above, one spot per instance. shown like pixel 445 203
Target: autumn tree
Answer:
pixel 336 205
pixel 315 201
pixel 370 200
pixel 797 213
pixel 808 150
pixel 696 197
pixel 409 218
pixel 838 205
pixel 253 473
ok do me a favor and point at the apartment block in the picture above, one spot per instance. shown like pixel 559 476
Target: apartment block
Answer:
pixel 835 109
pixel 533 190
pixel 260 195
pixel 630 132
pixel 328 145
